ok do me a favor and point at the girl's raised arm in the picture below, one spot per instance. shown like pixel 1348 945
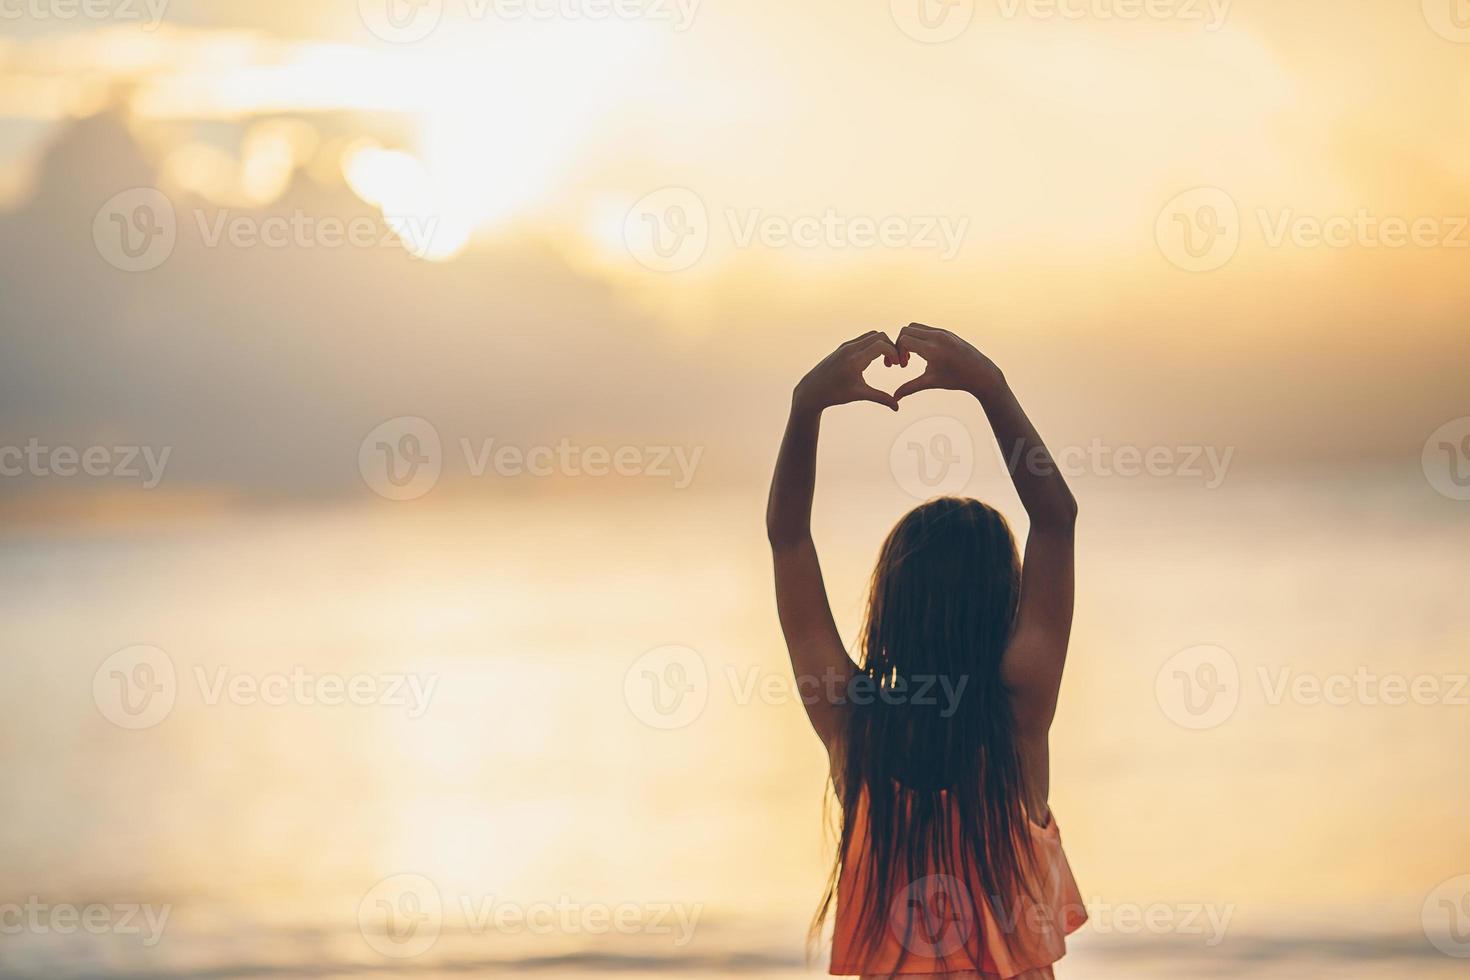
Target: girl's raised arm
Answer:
pixel 818 657
pixel 1033 662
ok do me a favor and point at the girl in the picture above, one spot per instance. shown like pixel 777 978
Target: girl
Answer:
pixel 950 862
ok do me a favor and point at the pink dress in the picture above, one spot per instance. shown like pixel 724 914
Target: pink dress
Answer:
pixel 948 927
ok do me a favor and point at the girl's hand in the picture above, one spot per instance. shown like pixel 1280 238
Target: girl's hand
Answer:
pixel 950 362
pixel 838 380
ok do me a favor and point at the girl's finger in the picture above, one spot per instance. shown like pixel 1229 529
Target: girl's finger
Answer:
pixel 912 342
pixel 870 394
pixel 880 344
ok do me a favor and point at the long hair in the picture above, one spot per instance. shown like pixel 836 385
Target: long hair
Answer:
pixel 941 775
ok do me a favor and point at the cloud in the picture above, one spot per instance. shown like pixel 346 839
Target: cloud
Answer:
pixel 263 367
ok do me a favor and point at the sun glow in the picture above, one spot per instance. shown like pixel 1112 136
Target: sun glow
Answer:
pixel 412 202
pixel 498 126
pixel 472 130
pixel 501 127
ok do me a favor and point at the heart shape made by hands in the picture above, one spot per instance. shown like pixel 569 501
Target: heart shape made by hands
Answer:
pixel 888 379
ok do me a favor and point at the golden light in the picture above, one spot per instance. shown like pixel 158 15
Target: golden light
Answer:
pixel 501 123
pixel 270 155
pixel 412 203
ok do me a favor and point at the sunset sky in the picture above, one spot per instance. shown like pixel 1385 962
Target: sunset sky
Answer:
pixel 271 250
pixel 1030 170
